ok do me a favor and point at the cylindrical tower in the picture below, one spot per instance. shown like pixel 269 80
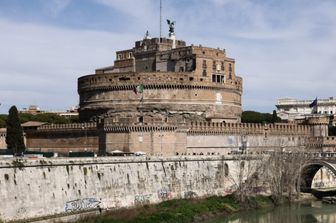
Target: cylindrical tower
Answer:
pixel 186 83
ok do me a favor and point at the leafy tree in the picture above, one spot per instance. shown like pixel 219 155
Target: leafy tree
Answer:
pixel 257 117
pixel 47 117
pixel 44 117
pixel 275 117
pixel 3 119
pixel 14 138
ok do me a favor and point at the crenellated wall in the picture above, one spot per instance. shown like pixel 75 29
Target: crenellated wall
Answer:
pixel 185 138
pixel 63 138
pixel 204 138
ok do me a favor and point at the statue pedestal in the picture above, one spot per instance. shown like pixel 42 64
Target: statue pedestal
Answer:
pixel 173 37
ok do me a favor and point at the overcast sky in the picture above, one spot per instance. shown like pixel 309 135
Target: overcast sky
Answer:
pixel 283 48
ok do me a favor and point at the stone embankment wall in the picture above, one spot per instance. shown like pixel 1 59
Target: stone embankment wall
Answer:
pixel 35 188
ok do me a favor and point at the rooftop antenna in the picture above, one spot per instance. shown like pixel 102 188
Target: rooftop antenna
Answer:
pixel 160 20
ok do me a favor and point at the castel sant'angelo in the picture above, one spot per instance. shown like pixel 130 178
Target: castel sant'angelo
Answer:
pixel 178 84
pixel 162 97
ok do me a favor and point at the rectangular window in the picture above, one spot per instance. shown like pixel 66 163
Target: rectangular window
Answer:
pixel 213 78
pixel 204 73
pixel 222 79
pixel 204 64
pixel 218 79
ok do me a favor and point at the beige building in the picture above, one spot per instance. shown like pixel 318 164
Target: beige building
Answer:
pixel 3 134
pixel 34 110
pixel 293 109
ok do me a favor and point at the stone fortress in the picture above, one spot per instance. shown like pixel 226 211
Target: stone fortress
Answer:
pixel 181 83
pixel 162 97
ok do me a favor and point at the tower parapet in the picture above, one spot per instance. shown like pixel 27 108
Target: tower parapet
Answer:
pixel 320 125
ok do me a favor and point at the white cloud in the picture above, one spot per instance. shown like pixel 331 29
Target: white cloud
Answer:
pixel 282 48
pixel 40 64
pixel 57 6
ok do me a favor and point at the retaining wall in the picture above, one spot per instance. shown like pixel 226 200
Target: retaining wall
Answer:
pixel 35 188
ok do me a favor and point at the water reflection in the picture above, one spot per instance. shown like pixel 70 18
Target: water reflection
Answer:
pixel 295 213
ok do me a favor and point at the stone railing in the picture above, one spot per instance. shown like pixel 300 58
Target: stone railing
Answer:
pixel 128 81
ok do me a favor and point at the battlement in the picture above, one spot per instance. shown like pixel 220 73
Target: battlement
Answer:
pixel 67 127
pixel 249 128
pixel 209 128
pixel 128 81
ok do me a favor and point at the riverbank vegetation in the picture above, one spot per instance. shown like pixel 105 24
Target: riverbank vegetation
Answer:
pixel 182 211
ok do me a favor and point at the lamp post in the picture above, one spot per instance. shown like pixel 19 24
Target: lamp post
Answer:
pixel 85 140
pixel 243 144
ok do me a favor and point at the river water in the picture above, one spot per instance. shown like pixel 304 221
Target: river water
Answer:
pixel 311 212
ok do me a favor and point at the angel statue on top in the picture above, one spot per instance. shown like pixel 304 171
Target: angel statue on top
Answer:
pixel 171 26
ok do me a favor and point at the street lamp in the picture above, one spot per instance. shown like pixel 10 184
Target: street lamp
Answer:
pixel 85 141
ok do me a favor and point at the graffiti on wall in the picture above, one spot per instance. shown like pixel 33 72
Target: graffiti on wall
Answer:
pixel 81 204
pixel 164 194
pixel 142 199
pixel 189 195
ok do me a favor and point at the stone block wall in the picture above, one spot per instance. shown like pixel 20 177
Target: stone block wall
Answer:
pixel 178 93
pixel 164 142
pixel 58 186
pixel 63 138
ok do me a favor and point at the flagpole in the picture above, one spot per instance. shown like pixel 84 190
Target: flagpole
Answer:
pixel 160 21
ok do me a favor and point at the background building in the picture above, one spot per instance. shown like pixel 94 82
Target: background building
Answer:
pixel 293 109
pixel 3 134
pixel 35 110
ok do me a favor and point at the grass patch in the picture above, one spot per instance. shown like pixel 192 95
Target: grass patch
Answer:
pixel 178 211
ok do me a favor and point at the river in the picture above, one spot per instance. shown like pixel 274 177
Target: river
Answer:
pixel 310 212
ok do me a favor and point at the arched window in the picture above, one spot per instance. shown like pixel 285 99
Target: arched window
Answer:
pixel 226 169
pixel 242 165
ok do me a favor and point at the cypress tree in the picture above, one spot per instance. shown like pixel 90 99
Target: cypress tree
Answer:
pixel 275 117
pixel 14 138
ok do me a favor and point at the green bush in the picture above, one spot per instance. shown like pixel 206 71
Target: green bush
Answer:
pixel 257 117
